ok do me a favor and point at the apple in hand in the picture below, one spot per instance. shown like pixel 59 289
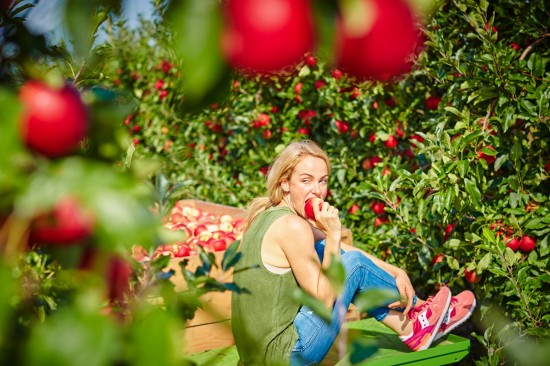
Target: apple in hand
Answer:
pixel 308 207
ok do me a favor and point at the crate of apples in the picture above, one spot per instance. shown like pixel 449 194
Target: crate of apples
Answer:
pixel 211 226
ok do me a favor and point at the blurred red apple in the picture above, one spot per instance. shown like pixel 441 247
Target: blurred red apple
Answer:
pixel 54 121
pixel 471 276
pixel 66 224
pixel 118 278
pixel 391 142
pixel 376 39
pixel 378 207
pixel 266 36
pixel 354 208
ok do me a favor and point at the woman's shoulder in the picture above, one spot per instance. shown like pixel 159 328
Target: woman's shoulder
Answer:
pixel 292 223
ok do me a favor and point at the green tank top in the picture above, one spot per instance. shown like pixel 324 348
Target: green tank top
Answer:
pixel 263 320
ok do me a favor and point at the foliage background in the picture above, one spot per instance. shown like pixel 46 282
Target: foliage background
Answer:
pixel 481 81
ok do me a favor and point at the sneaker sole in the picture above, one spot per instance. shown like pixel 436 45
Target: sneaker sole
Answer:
pixel 460 322
pixel 436 327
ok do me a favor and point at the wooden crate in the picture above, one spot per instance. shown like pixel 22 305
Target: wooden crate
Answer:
pixel 210 328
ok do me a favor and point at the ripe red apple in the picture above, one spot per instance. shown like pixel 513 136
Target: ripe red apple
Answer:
pixel 471 276
pixel 182 251
pixel 512 243
pixel 449 230
pixel 527 243
pixel 416 138
pixel 488 158
pixel 342 126
pixel 381 44
pixel 432 102
pixel 54 121
pixel 66 224
pixel 266 36
pixel 378 207
pixel 118 278
pixel 218 245
pixel 354 208
pixel 380 220
pixel 308 207
pixel 369 163
pixel 438 258
pixel 391 142
pixel 310 61
pixel 199 230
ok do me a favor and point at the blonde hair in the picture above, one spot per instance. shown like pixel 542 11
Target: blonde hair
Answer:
pixel 280 170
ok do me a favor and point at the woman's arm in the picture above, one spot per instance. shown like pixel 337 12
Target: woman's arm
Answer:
pixel 295 238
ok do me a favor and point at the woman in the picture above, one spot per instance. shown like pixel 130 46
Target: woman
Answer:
pixel 283 250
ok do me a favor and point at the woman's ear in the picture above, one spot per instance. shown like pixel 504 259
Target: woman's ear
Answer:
pixel 285 186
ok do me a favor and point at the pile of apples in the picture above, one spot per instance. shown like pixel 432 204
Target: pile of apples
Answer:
pixel 203 229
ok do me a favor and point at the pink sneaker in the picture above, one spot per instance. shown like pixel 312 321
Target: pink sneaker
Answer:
pixel 462 306
pixel 427 319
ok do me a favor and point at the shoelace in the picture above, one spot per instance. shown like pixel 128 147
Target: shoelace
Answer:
pixel 413 314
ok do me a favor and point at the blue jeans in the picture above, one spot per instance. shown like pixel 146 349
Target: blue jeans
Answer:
pixel 317 336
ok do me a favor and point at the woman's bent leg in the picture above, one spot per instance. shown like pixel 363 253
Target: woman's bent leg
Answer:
pixel 317 336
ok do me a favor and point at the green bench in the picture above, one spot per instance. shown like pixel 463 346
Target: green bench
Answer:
pixel 391 351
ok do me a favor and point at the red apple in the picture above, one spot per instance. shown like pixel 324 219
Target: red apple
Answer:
pixel 391 142
pixel 512 243
pixel 54 121
pixel 369 163
pixel 381 44
pixel 354 208
pixel 182 251
pixel 527 243
pixel 471 276
pixel 200 229
pixel 438 258
pixel 266 36
pixel 308 207
pixel 378 207
pixel 218 245
pixel 432 102
pixel 449 230
pixel 229 239
pixel 66 224
pixel 488 158
pixel 118 278
pixel 380 220
pixel 342 126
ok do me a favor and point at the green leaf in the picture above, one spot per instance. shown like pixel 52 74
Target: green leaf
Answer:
pixel 197 26
pixel 360 349
pixel 80 22
pixel 375 298
pixel 231 256
pixel 484 262
pixel 528 107
pixel 317 306
pixel 473 191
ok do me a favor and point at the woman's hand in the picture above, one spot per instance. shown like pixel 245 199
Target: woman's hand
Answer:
pixel 327 220
pixel 406 292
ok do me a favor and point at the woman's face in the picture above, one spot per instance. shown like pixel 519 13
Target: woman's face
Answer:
pixel 308 180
